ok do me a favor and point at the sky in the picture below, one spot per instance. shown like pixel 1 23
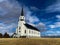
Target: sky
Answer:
pixel 44 14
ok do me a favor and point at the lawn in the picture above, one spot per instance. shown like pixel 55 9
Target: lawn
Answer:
pixel 29 41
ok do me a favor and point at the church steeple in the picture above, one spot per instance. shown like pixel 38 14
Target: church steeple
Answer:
pixel 22 18
pixel 22 12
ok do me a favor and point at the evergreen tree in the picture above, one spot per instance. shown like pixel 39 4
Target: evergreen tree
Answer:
pixel 6 35
pixel 1 35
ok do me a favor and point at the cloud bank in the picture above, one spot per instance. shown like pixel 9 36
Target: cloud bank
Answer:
pixel 9 15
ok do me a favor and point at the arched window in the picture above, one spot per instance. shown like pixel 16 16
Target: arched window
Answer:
pixel 25 31
pixel 19 28
pixel 19 31
pixel 29 31
pixel 32 32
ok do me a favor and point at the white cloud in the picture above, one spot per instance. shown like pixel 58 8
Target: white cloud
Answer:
pixel 52 26
pixel 7 28
pixel 50 32
pixel 2 11
pixel 12 10
pixel 10 33
pixel 31 18
pixel 54 7
pixel 34 8
pixel 9 7
pixel 9 13
pixel 53 33
pixel 42 24
pixel 58 16
pixel 2 0
pixel 56 25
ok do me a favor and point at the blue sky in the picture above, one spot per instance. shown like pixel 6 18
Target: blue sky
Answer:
pixel 45 14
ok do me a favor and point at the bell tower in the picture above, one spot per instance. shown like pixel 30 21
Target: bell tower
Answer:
pixel 20 29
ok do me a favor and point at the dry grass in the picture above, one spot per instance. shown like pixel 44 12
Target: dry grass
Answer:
pixel 30 41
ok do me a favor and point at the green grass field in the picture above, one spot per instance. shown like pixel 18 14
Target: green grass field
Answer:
pixel 29 41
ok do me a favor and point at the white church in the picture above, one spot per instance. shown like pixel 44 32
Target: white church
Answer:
pixel 25 30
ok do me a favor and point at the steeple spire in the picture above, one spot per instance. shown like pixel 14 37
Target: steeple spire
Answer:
pixel 22 12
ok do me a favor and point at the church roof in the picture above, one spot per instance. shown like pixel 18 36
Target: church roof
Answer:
pixel 31 27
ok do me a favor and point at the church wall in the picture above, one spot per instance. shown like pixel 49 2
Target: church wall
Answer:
pixel 29 32
pixel 33 33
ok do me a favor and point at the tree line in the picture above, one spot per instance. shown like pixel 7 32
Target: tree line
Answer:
pixel 5 35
